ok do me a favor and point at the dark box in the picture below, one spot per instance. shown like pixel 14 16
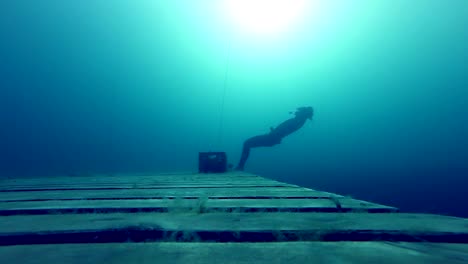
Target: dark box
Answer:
pixel 212 162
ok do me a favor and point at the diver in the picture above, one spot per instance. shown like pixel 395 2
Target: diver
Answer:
pixel 276 134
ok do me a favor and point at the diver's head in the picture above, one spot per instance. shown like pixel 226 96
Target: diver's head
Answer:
pixel 305 112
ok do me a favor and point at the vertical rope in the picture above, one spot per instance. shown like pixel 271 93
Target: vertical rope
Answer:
pixel 223 98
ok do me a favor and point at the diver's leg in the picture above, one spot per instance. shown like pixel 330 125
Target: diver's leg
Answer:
pixel 254 142
pixel 245 153
pixel 244 156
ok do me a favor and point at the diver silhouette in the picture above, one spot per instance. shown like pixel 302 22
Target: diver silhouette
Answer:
pixel 276 134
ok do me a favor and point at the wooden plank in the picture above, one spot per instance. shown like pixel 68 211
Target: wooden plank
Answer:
pixel 145 186
pixel 258 181
pixel 132 176
pixel 230 253
pixel 194 220
pixel 166 205
pixel 126 179
pixel 232 227
pixel 347 204
pixel 204 204
pixel 168 193
pixel 231 180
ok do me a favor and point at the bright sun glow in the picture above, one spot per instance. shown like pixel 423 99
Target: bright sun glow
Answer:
pixel 265 17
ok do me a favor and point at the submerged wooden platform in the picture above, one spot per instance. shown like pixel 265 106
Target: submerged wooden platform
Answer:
pixel 211 218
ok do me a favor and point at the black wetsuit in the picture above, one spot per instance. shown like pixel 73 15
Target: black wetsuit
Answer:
pixel 273 138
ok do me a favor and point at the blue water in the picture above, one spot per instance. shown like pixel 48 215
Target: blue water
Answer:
pixel 91 87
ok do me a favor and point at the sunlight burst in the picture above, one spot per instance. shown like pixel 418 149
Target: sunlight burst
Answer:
pixel 265 17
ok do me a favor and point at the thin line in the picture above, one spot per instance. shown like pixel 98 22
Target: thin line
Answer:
pixel 223 99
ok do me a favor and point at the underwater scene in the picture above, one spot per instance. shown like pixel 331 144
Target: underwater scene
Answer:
pixel 366 99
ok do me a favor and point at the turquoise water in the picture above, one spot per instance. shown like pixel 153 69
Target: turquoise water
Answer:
pixel 143 86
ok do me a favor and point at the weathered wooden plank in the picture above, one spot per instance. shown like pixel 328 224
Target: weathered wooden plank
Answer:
pixel 142 234
pixel 245 192
pixel 230 253
pixel 180 220
pixel 145 186
pixel 130 179
pixel 134 175
pixel 154 181
pixel 166 205
pixel 347 204
pixel 187 186
pixel 142 183
pixel 231 180
pixel 204 204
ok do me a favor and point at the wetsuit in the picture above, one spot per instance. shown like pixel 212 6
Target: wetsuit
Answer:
pixel 273 138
